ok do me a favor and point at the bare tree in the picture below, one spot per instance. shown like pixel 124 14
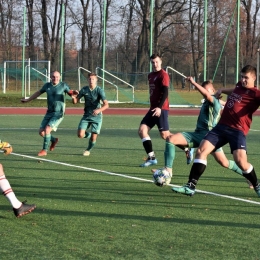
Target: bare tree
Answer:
pixel 51 27
pixel 250 32
pixel 30 22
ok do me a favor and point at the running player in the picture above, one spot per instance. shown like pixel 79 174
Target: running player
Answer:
pixel 232 128
pixel 56 92
pixel 159 108
pixel 93 96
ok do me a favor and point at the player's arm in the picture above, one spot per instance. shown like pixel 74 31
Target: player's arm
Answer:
pixel 32 97
pixel 104 106
pixel 202 90
pixel 165 93
pixel 101 109
pixel 74 96
pixel 221 91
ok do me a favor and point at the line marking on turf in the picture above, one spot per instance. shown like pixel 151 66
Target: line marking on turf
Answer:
pixel 131 177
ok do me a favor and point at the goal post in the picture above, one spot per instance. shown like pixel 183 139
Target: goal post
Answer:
pixel 82 81
pixel 12 74
pixel 125 92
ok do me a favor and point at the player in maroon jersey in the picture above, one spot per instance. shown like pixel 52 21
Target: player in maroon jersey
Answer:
pixel 159 107
pixel 232 128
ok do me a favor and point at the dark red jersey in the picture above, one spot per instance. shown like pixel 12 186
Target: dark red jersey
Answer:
pixel 239 108
pixel 157 81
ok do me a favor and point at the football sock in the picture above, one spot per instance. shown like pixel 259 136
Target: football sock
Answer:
pixel 147 144
pixel 233 166
pixel 169 154
pixel 196 171
pixel 46 141
pixel 87 135
pixel 151 155
pixel 90 145
pixel 251 176
pixel 8 192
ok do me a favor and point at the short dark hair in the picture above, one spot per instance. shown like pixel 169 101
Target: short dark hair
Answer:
pixel 205 83
pixel 249 68
pixel 92 74
pixel 155 55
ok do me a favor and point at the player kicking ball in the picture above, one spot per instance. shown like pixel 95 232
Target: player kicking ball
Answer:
pixel 232 128
pixel 208 118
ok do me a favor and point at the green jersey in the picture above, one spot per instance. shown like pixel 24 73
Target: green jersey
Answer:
pixel 55 97
pixel 92 99
pixel 209 115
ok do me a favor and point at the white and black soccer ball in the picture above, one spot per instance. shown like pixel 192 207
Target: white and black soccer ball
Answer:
pixel 161 177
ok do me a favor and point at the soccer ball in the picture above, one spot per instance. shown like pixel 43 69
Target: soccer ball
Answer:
pixel 161 177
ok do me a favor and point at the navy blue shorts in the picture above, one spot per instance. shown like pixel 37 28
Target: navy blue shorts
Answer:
pixel 161 121
pixel 222 134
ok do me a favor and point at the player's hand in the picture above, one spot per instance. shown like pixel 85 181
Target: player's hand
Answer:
pixel 96 112
pixel 75 92
pixel 157 111
pixel 6 147
pixel 218 94
pixel 190 79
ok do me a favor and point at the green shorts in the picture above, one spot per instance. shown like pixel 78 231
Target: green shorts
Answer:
pixel 52 121
pixel 194 138
pixel 86 123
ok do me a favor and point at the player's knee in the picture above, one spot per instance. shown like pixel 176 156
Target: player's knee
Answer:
pixel 41 133
pixel 164 135
pixel 81 135
pixel 141 133
pixel 170 138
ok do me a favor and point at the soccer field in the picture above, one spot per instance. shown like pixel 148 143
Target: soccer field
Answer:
pixel 106 207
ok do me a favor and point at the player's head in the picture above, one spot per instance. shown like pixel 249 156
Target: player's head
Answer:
pixel 55 77
pixel 156 61
pixel 248 76
pixel 92 79
pixel 208 86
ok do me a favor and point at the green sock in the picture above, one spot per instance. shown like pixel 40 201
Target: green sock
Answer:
pixel 53 139
pixel 87 135
pixel 169 154
pixel 90 145
pixel 232 166
pixel 46 141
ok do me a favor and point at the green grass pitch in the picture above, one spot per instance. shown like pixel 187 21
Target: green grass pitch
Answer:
pixel 105 207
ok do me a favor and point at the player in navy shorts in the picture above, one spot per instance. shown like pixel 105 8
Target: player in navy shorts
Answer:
pixel 159 107
pixel 232 128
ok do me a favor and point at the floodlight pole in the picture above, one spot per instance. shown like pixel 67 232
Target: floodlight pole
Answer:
pixel 205 38
pixel 104 43
pixel 61 41
pixel 23 51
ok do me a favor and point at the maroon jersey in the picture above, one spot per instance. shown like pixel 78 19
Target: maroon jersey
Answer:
pixel 157 81
pixel 239 108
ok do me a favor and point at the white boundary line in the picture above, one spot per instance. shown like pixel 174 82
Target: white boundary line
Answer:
pixel 131 177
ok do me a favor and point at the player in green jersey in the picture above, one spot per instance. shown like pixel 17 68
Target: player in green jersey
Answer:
pixel 56 95
pixel 93 96
pixel 208 117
